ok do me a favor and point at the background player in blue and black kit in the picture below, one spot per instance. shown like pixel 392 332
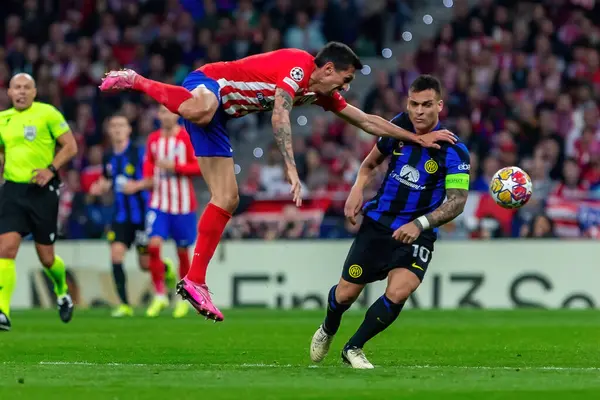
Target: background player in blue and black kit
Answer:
pixel 400 223
pixel 121 168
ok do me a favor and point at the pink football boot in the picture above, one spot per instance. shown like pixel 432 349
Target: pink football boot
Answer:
pixel 199 298
pixel 118 80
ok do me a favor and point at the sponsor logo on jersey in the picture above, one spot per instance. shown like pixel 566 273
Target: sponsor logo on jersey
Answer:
pixel 409 173
pixel 464 167
pixel 408 176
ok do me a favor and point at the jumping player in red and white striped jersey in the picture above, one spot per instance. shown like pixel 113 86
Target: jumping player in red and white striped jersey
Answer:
pixel 169 166
pixel 275 81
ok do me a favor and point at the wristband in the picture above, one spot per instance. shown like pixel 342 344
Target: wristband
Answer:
pixel 52 169
pixel 424 222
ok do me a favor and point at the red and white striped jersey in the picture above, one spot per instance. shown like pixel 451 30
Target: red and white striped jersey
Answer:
pixel 248 85
pixel 173 192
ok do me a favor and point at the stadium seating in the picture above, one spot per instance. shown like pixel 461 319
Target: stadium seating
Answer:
pixel 521 82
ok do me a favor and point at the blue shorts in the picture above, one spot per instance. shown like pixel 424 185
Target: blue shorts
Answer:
pixel 179 227
pixel 211 140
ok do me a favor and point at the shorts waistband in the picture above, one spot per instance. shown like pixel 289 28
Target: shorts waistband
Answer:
pixel 27 187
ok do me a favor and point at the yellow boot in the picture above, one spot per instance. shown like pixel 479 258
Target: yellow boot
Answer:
pixel 123 310
pixel 158 304
pixel 182 307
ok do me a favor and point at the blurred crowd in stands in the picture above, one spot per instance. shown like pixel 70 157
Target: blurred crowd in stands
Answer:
pixel 522 83
pixel 521 80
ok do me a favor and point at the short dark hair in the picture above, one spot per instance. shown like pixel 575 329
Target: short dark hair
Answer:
pixel 340 55
pixel 426 82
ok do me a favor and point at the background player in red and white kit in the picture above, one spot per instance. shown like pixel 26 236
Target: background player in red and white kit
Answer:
pixel 274 81
pixel 169 166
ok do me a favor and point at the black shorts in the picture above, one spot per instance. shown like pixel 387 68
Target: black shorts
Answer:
pixel 374 253
pixel 129 233
pixel 27 208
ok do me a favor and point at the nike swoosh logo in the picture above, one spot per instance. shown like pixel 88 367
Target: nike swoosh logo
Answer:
pixel 414 265
pixel 379 319
pixel 397 153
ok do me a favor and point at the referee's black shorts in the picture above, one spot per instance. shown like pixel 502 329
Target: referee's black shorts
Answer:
pixel 27 208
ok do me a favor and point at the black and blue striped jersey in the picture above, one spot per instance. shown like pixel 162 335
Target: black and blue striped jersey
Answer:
pixel 121 167
pixel 417 178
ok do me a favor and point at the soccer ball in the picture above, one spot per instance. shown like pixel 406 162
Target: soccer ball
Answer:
pixel 511 187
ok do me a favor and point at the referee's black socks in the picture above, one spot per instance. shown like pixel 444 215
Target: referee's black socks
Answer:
pixel 120 282
pixel 379 316
pixel 335 311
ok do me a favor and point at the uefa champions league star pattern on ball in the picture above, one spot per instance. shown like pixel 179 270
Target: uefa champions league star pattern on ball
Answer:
pixel 511 187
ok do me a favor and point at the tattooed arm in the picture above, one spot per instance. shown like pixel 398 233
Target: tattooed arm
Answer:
pixel 456 183
pixel 282 128
pixel 450 209
pixel 282 131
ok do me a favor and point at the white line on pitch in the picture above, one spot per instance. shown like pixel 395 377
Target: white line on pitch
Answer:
pixel 261 365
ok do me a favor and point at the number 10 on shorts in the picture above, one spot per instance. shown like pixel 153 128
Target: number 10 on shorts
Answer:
pixel 422 252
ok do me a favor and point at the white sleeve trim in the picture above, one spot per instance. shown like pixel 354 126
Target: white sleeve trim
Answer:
pixel 292 84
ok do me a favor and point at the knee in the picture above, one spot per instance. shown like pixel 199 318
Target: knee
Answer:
pixel 227 200
pixel 154 247
pixel 8 250
pixel 144 262
pixel 347 293
pixel 400 293
pixel 9 246
pixel 47 259
pixel 117 253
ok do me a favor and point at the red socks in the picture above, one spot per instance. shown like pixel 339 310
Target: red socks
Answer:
pixel 157 270
pixel 210 229
pixel 168 95
pixel 184 262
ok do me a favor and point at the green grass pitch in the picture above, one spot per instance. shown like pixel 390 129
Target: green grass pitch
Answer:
pixel 260 354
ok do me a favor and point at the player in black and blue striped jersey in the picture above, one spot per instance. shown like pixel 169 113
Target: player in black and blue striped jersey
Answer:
pixel 399 228
pixel 122 167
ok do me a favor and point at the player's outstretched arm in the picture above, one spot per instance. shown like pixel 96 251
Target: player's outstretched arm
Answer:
pixel 282 131
pixel 377 126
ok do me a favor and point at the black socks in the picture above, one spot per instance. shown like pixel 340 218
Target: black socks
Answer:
pixel 382 313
